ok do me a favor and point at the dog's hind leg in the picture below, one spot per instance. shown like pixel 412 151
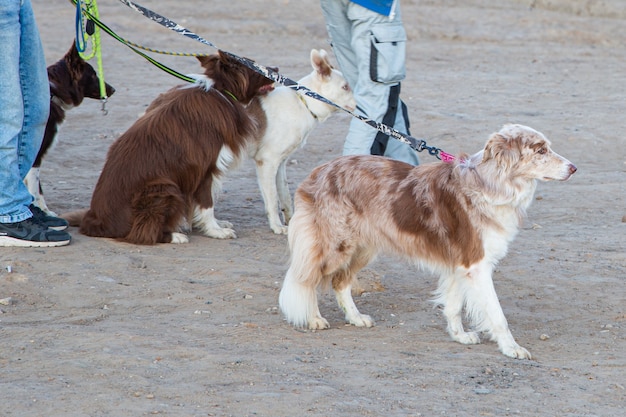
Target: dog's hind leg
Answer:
pixel 342 284
pixel 346 303
pixel 267 174
pixel 483 308
pixel 284 195
pixel 156 214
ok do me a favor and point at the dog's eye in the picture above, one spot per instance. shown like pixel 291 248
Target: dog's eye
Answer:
pixel 346 87
pixel 542 151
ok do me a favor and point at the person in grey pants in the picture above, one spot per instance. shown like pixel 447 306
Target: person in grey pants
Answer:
pixel 369 40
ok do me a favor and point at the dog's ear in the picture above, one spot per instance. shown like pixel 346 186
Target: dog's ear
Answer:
pixel 224 58
pixel 204 60
pixel 210 64
pixel 320 62
pixel 75 63
pixel 72 57
pixel 73 51
pixel 502 150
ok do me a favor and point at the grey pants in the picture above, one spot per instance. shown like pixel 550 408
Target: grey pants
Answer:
pixel 370 51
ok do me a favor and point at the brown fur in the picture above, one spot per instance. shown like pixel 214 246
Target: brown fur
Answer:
pixel 166 163
pixel 442 232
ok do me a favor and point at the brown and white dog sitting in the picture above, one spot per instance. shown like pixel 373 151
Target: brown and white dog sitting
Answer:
pixel 71 80
pixel 455 219
pixel 286 119
pixel 166 169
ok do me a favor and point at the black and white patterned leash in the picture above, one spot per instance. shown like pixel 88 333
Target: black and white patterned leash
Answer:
pixel 418 144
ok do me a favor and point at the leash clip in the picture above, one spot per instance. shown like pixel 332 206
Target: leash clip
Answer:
pixel 103 100
pixel 421 144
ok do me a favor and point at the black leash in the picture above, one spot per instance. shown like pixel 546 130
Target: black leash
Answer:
pixel 418 144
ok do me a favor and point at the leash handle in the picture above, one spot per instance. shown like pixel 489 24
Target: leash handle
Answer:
pixel 80 34
pixel 90 9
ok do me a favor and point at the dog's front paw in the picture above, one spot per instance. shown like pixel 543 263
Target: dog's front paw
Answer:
pixel 279 229
pixel 515 351
pixel 179 238
pixel 221 233
pixel 361 320
pixel 467 338
pixel 318 323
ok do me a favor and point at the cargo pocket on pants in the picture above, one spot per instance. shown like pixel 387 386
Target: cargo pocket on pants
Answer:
pixel 388 53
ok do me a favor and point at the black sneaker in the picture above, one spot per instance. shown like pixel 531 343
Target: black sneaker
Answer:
pixel 30 233
pixel 51 222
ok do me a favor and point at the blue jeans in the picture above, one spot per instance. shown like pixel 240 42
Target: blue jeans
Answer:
pixel 24 105
pixel 370 51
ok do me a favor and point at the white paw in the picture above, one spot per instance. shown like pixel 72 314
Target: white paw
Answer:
pixel 467 338
pixel 318 323
pixel 179 238
pixel 220 233
pixel 515 351
pixel 361 320
pixel 279 230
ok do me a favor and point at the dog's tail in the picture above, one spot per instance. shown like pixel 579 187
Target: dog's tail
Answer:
pixel 74 218
pixel 298 301
pixel 298 296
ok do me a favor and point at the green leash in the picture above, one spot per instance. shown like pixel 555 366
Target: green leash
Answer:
pixel 86 30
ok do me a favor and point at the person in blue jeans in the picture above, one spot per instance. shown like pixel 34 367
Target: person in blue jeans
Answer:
pixel 24 109
pixel 369 40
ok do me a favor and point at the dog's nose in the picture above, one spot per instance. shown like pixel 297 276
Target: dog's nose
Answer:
pixel 572 169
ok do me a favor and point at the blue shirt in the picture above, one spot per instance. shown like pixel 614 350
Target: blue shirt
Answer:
pixel 384 7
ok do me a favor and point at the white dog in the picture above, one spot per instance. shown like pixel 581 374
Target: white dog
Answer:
pixel 454 219
pixel 286 118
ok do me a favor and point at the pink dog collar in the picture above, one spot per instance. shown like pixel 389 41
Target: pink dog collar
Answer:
pixel 446 157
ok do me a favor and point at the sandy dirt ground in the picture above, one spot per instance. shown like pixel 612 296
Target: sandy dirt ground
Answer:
pixel 102 328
